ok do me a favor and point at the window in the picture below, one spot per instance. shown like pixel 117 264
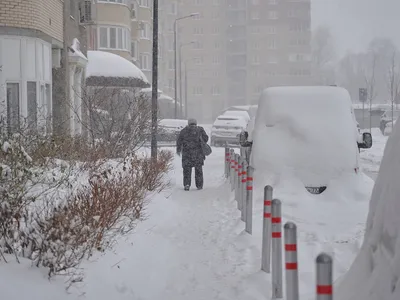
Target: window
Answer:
pixel 85 11
pixel 134 47
pixel 197 45
pixel 215 30
pixel 255 30
pixel 272 44
pixel 49 107
pixel 272 2
pixel 144 62
pixel 298 57
pixel 255 2
pixel 32 104
pixel 272 15
pixel 145 33
pixel 255 60
pixel 13 107
pixel 114 38
pixel 198 2
pixel 216 60
pixel 133 10
pixel 145 3
pixel 198 90
pixel 198 30
pixel 215 91
pixel 217 44
pixel 256 45
pixel 299 27
pixel 255 15
pixel 271 30
pixel 103 37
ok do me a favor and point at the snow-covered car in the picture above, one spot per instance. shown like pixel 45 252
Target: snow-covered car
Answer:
pixel 238 113
pixel 226 129
pixel 319 146
pixel 169 129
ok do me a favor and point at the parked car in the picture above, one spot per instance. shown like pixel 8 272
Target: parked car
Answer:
pixel 226 129
pixel 169 129
pixel 387 117
pixel 320 145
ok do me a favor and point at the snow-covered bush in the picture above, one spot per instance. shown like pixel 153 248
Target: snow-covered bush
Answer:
pixel 58 232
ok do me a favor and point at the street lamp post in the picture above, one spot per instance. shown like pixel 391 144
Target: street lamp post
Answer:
pixel 180 76
pixel 175 58
pixel 154 84
pixel 186 84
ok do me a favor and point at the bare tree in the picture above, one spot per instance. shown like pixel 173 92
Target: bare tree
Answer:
pixel 370 82
pixel 394 80
pixel 116 119
pixel 323 55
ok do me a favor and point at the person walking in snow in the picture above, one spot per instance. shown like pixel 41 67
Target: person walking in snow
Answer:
pixel 189 145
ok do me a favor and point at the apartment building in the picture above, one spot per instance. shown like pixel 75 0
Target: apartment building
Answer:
pixel 233 49
pixel 122 27
pixel 39 65
pixel 278 45
pixel 201 58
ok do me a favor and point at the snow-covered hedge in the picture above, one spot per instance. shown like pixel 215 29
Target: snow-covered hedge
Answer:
pixel 58 213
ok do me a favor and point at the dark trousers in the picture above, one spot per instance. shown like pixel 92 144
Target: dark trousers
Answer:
pixel 198 175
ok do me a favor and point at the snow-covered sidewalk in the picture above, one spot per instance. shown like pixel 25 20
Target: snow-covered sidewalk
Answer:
pixel 186 249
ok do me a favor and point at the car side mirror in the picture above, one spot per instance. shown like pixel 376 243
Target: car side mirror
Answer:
pixel 367 141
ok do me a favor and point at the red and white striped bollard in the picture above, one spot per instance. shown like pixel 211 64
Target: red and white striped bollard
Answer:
pixel 276 259
pixel 291 265
pixel 249 200
pixel 266 237
pixel 324 277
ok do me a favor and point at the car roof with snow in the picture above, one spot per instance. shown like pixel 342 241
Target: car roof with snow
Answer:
pixel 173 123
pixel 230 121
pixel 239 113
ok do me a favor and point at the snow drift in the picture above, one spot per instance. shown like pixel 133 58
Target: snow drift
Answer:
pixel 377 266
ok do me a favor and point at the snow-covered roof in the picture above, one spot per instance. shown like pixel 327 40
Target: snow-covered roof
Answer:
pixel 109 69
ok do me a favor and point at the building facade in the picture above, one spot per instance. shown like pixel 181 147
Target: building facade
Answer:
pixel 233 49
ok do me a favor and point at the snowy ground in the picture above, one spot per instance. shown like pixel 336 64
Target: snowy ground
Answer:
pixel 192 246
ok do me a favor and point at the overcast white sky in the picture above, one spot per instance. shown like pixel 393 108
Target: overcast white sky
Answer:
pixel 355 22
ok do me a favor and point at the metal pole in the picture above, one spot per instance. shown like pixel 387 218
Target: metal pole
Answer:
pixel 236 175
pixel 238 178
pixel 266 238
pixel 370 115
pixel 241 204
pixel 232 174
pixel 186 92
pixel 324 277
pixel 180 82
pixel 291 275
pixel 154 92
pixel 277 291
pixel 249 200
pixel 363 114
pixel 175 67
pixel 227 160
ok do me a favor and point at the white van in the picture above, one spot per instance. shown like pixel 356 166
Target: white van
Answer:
pixel 308 131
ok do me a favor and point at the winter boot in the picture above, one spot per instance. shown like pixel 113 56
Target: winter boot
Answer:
pixel 187 187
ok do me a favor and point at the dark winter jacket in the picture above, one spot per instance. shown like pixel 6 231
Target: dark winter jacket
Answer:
pixel 189 145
